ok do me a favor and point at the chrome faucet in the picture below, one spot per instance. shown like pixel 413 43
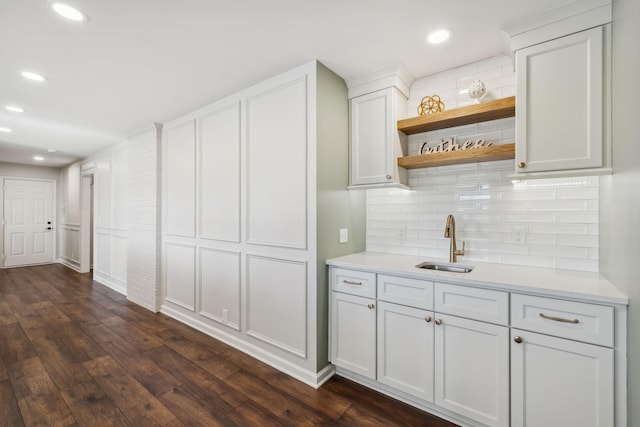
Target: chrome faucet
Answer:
pixel 450 232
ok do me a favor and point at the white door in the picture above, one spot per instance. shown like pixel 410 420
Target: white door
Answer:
pixel 472 369
pixel 405 349
pixel 559 382
pixel 28 222
pixel 353 334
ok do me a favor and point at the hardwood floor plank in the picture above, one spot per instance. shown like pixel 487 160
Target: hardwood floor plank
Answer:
pixel 9 410
pixel 46 410
pixel 6 314
pixel 286 410
pixel 192 409
pixel 155 379
pixel 60 363
pixel 49 311
pixel 222 396
pixel 133 400
pixel 30 378
pixel 14 344
pixel 25 312
pixel 92 407
pixel 134 336
pixel 249 414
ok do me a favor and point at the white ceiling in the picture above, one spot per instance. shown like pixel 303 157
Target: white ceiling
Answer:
pixel 141 61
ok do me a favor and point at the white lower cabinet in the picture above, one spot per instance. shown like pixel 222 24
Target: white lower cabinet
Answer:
pixel 472 369
pixel 353 334
pixel 480 357
pixel 560 382
pixel 405 349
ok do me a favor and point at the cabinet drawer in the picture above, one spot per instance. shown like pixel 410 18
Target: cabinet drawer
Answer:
pixel 406 291
pixel 574 320
pixel 362 283
pixel 480 304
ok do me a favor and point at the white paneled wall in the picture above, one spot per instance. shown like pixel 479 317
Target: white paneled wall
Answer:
pixel 110 225
pixel 559 216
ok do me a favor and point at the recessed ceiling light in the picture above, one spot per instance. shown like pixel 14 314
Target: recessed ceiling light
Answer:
pixel 5 130
pixel 14 109
pixel 52 150
pixel 438 36
pixel 38 158
pixel 33 76
pixel 68 12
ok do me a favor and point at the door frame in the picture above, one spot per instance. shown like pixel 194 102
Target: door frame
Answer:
pixel 54 215
pixel 87 210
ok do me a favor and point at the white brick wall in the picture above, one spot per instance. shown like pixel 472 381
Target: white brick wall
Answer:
pixel 560 215
pixel 143 262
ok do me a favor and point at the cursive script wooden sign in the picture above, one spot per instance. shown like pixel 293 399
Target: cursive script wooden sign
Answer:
pixel 450 144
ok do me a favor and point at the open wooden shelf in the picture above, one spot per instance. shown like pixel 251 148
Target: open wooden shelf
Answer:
pixel 491 110
pixel 485 154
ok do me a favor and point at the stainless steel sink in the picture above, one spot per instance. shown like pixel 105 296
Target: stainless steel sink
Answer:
pixel 454 268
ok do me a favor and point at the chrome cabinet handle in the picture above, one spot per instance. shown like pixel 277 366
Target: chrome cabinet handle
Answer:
pixel 388 176
pixel 349 282
pixel 438 321
pixel 371 306
pixel 427 319
pixel 559 319
pixel 518 339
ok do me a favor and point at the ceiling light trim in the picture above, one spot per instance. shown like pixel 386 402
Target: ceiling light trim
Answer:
pixel 438 36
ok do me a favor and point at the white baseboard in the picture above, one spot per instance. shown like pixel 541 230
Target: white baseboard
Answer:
pixel 313 379
pixel 75 266
pixel 118 287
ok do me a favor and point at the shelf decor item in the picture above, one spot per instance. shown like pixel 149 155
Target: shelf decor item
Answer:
pixel 430 105
pixel 477 90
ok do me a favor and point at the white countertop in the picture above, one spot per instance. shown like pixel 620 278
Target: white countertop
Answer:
pixel 540 281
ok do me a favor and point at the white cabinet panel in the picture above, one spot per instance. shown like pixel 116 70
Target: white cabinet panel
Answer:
pixel 375 141
pixel 406 291
pixel 220 286
pixel 353 333
pixel 472 369
pixel 475 303
pixel 354 282
pixel 180 274
pixel 180 179
pixel 559 104
pixel 405 349
pixel 220 174
pixel 277 166
pixel 559 382
pixel 277 302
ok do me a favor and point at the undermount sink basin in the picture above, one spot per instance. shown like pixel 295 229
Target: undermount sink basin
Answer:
pixel 454 268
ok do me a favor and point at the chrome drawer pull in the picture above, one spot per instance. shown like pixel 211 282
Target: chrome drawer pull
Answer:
pixel 559 319
pixel 349 282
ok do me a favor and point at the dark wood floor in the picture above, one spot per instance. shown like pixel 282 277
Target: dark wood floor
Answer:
pixel 75 353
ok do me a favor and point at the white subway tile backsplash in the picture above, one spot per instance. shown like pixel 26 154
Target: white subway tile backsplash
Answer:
pixel 560 215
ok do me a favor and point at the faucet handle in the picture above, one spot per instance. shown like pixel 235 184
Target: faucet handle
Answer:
pixel 461 251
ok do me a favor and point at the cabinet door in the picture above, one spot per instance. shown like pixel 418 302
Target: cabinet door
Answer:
pixel 374 138
pixel 559 104
pixel 353 334
pixel 405 349
pixel 472 369
pixel 559 382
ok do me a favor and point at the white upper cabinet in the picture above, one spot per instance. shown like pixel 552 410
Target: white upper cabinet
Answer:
pixel 559 104
pixel 375 141
pixel 377 101
pixel 563 93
